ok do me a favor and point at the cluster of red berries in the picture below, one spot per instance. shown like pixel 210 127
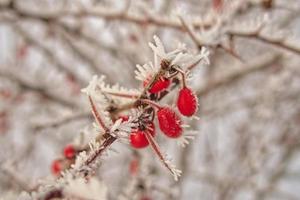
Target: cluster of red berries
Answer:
pixel 58 165
pixel 169 121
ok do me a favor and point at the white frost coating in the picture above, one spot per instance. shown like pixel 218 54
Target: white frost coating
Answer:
pixel 186 137
pixel 92 189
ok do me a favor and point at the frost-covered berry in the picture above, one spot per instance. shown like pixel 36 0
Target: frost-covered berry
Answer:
pixel 69 151
pixel 56 167
pixel 169 122
pixel 187 102
pixel 138 138
pixel 158 86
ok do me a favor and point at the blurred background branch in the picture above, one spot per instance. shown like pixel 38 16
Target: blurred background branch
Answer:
pixel 247 139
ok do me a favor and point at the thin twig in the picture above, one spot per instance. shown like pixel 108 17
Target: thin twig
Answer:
pixel 97 115
pixel 259 64
pixel 292 47
pixel 42 91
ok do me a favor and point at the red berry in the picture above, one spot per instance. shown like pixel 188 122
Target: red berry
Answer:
pixel 169 122
pixel 22 51
pixel 124 118
pixel 217 5
pixel 145 198
pixel 134 166
pixel 6 94
pixel 138 138
pixel 56 167
pixel 158 86
pixel 69 151
pixel 4 123
pixel 187 102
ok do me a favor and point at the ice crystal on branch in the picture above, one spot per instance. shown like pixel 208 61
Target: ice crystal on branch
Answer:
pixel 145 71
pixel 166 66
pixel 185 139
pixel 179 56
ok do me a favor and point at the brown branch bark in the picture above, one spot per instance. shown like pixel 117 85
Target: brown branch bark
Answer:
pixel 280 43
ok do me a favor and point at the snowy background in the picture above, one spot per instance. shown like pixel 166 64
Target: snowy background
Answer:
pixel 248 138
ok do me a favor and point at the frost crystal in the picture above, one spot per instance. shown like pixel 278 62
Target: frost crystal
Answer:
pixel 185 139
pixel 91 189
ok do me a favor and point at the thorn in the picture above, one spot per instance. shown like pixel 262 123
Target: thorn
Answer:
pixel 185 126
pixel 196 117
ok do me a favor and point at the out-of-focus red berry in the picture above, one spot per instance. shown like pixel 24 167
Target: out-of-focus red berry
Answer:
pixel 133 167
pixel 4 125
pixel 56 167
pixel 145 198
pixel 6 94
pixel 71 81
pixel 217 5
pixel 69 151
pixel 22 51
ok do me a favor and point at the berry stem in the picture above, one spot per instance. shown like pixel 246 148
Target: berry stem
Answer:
pixel 97 115
pixel 151 103
pixel 183 74
pixel 193 65
pixel 130 96
pixel 172 75
pixel 123 108
pixel 156 149
pixel 152 115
